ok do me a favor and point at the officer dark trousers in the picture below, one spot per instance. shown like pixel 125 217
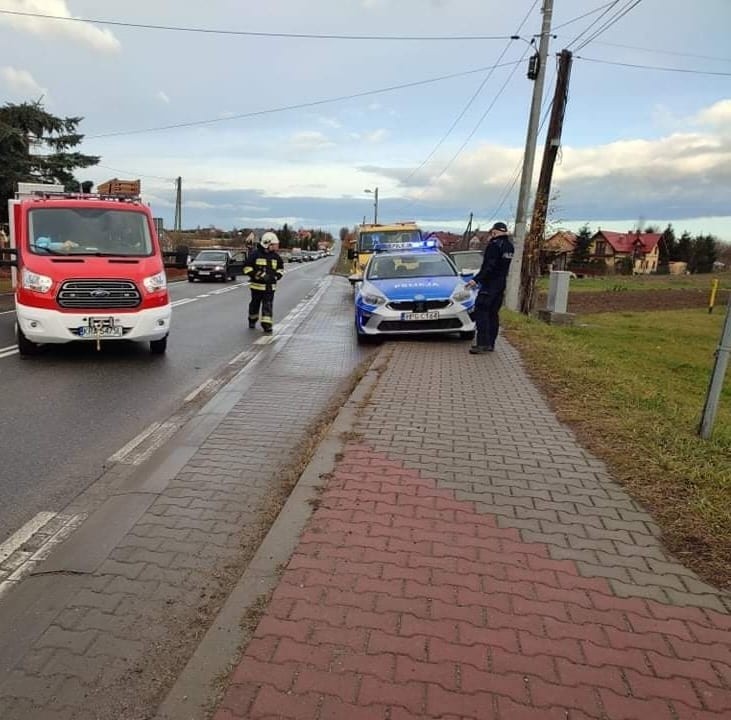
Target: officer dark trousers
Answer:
pixel 487 318
pixel 264 300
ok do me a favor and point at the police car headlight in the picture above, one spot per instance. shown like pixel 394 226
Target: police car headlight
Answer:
pixel 373 299
pixel 218 268
pixel 462 294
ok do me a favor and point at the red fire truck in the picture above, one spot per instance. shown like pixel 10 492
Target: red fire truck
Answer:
pixel 86 267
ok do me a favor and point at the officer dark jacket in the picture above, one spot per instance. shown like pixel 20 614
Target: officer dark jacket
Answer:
pixel 493 275
pixel 264 268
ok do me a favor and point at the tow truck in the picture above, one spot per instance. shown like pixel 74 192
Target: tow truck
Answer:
pixel 86 267
pixel 369 236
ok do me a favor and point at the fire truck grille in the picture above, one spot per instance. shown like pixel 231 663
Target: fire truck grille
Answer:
pixel 98 294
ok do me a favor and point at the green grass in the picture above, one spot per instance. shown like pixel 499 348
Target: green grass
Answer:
pixel 619 283
pixel 633 385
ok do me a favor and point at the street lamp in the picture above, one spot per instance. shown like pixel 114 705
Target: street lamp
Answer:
pixel 375 203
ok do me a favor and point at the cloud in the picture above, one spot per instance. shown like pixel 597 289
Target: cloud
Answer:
pixel 162 96
pixel 97 38
pixel 375 136
pixel 310 141
pixel 717 115
pixel 21 84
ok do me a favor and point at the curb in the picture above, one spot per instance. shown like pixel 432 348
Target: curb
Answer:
pixel 190 696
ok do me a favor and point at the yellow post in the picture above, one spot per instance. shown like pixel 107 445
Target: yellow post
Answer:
pixel 714 291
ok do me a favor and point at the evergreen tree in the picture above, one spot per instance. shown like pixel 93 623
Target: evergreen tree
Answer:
pixel 580 255
pixel 667 249
pixel 684 249
pixel 36 146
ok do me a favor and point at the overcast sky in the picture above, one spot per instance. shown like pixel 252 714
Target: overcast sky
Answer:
pixel 638 143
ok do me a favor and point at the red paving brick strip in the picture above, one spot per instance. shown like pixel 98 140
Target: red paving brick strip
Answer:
pixel 411 604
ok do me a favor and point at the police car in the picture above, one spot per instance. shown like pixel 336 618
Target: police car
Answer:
pixel 412 288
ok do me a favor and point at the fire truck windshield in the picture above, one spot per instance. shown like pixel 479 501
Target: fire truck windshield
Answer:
pixel 88 231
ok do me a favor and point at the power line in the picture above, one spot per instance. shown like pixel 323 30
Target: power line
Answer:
pixel 607 9
pixel 252 33
pixel 585 15
pixel 654 67
pixel 128 173
pixel 663 52
pixel 474 97
pixel 631 5
pixel 300 106
pixel 474 130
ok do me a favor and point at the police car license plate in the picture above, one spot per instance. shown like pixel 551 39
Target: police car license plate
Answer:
pixel 204 272
pixel 101 327
pixel 433 315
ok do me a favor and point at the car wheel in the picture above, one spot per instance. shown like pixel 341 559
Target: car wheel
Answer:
pixel 25 346
pixel 190 279
pixel 158 347
pixel 467 335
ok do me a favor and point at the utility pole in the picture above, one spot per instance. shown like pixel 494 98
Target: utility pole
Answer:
pixel 534 240
pixel 178 204
pixel 719 373
pixel 467 234
pixel 513 288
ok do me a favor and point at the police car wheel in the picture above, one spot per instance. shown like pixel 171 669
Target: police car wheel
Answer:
pixel 467 335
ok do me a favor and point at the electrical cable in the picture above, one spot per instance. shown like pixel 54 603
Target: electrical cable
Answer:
pixel 581 17
pixel 689 71
pixel 663 52
pixel 631 5
pixel 251 33
pixel 471 101
pixel 300 106
pixel 597 20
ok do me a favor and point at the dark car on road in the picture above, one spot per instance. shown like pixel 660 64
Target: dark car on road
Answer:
pixel 216 265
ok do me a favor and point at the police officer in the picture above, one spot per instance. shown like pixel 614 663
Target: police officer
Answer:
pixel 491 280
pixel 264 267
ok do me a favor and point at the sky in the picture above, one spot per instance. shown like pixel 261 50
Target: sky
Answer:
pixel 640 146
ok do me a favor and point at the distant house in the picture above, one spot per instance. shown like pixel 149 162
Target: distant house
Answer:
pixel 449 241
pixel 557 250
pixel 636 250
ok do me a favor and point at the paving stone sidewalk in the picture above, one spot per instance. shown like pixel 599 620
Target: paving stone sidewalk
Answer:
pixel 104 643
pixel 470 559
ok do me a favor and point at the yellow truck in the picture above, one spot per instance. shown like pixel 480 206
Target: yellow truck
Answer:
pixel 369 237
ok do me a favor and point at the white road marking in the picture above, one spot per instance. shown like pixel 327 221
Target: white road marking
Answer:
pixel 244 355
pixel 184 301
pixel 122 453
pixel 158 438
pixel 264 340
pixel 20 537
pixel 29 560
pixel 7 312
pixel 9 347
pixel 8 353
pixel 198 390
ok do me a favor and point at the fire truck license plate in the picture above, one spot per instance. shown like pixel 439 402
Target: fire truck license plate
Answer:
pixel 101 327
pixel 434 315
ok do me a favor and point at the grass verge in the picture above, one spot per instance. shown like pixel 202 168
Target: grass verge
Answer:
pixel 618 283
pixel 633 386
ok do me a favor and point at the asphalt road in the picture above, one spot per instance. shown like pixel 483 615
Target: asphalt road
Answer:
pixel 63 413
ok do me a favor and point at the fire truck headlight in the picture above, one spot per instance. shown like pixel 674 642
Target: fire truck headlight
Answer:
pixel 156 283
pixel 34 281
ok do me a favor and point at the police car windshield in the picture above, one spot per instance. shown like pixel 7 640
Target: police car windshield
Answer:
pixel 390 266
pixel 89 231
pixel 368 240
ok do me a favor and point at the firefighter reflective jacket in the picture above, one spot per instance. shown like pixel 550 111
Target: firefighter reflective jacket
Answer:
pixel 264 269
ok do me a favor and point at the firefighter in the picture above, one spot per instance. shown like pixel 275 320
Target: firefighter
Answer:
pixel 264 267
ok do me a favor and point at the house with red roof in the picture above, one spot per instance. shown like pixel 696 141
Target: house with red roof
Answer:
pixel 638 250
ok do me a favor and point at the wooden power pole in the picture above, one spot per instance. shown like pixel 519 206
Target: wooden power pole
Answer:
pixel 179 204
pixel 534 242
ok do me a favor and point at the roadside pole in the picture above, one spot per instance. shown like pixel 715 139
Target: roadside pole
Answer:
pixel 717 377
pixel 513 288
pixel 534 239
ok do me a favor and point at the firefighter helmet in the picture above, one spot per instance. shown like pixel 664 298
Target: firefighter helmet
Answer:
pixel 268 239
